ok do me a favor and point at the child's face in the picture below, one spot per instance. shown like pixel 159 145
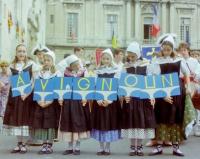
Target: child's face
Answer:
pixel 106 60
pixel 21 53
pixel 48 61
pixel 195 56
pixel 131 57
pixel 75 66
pixel 184 52
pixel 166 50
pixel 4 68
pixel 40 56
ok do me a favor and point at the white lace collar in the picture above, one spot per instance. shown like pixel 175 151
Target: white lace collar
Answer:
pixel 46 74
pixel 109 70
pixel 21 66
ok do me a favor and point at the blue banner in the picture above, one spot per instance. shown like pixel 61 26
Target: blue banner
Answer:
pixel 148 51
pixel 106 89
pixel 63 88
pixel 21 84
pixel 146 87
pixel 139 86
pixel 130 85
pixel 44 90
pixel 83 88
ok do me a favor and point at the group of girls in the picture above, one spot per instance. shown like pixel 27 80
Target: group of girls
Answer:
pixel 105 121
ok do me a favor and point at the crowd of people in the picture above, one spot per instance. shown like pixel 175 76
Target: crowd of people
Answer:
pixel 164 120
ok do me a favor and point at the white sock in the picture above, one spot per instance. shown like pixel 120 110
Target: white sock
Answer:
pixel 133 145
pixel 101 146
pixel 107 147
pixel 77 145
pixel 70 145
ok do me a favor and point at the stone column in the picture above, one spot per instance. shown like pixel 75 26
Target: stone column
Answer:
pixel 128 20
pixel 164 20
pixel 172 9
pixel 138 27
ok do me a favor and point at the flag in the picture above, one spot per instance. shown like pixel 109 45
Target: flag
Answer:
pixel 17 30
pixel 114 41
pixel 155 27
pixel 10 22
pixel 22 34
pixel 98 55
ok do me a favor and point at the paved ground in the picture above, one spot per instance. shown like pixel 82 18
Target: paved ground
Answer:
pixel 119 149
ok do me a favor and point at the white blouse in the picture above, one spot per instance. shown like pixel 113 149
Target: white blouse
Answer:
pixel 194 67
pixel 154 67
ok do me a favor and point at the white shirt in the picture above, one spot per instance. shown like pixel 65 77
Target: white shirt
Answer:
pixel 154 67
pixel 20 66
pixel 193 66
pixel 119 66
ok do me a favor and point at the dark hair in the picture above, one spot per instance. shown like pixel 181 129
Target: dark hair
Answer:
pixel 173 54
pixel 78 49
pixel 66 55
pixel 117 51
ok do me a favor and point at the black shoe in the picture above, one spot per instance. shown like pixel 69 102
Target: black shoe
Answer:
pixel 15 151
pixel 132 154
pixel 100 153
pixel 23 149
pixel 139 151
pixel 76 152
pixel 67 152
pixel 19 145
pixel 49 151
pixel 178 154
pixel 106 153
pixel 49 148
pixel 41 152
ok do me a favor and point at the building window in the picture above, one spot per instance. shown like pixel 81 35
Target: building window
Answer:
pixel 185 30
pixel 72 26
pixel 51 18
pixel 147 29
pixel 112 26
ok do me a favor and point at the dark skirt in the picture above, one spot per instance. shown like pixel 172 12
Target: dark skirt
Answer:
pixel 106 118
pixel 138 114
pixel 18 112
pixel 171 113
pixel 75 117
pixel 46 118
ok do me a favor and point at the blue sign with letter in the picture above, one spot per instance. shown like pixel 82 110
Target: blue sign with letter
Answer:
pixel 148 51
pixel 21 84
pixel 106 89
pixel 63 88
pixel 84 88
pixel 146 87
pixel 44 90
